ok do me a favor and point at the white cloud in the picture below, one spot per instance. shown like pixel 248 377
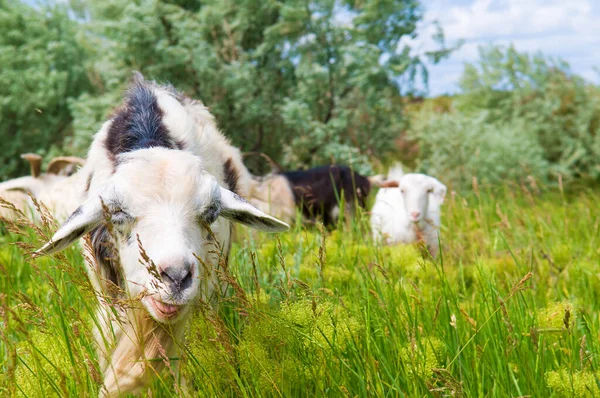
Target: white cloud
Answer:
pixel 561 28
pixel 494 18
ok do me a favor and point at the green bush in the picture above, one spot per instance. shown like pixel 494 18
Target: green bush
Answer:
pixel 459 146
pixel 580 384
pixel 519 115
pixel 560 109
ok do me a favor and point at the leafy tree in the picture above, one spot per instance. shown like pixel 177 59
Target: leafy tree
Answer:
pixel 307 82
pixel 519 115
pixel 457 146
pixel 561 109
pixel 41 69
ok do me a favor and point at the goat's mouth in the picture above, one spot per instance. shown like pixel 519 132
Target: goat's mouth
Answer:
pixel 164 310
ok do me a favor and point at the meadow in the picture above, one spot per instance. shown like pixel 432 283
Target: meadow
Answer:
pixel 510 308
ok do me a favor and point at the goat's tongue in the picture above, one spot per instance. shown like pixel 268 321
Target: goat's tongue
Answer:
pixel 166 308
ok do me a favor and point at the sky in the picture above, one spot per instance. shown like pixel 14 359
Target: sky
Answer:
pixel 569 29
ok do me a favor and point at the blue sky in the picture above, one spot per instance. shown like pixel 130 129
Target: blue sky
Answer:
pixel 569 29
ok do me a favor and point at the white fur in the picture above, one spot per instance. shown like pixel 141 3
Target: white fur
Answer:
pixel 409 212
pixel 57 192
pixel 395 172
pixel 158 197
pixel 19 201
pixel 273 194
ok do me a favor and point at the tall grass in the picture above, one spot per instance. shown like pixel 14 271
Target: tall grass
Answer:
pixel 509 309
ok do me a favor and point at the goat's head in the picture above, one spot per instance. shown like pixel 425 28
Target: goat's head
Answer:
pixel 419 191
pixel 164 206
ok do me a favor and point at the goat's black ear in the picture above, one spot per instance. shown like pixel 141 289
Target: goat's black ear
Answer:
pixel 87 216
pixel 236 208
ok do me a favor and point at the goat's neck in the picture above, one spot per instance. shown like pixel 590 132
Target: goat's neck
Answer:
pixel 418 230
pixel 422 226
pixel 144 348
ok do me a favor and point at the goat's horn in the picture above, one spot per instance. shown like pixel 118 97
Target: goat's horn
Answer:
pixel 35 163
pixel 276 167
pixel 388 184
pixel 57 164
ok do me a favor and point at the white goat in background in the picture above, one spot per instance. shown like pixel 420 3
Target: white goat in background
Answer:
pixel 407 209
pixel 161 190
pixel 55 189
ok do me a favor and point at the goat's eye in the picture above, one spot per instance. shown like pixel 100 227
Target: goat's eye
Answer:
pixel 403 191
pixel 210 214
pixel 430 190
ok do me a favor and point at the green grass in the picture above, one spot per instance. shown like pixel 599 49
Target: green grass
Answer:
pixel 510 309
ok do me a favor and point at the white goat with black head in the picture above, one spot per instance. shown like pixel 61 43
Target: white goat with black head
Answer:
pixel 407 209
pixel 167 181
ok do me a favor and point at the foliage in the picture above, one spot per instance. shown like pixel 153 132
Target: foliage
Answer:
pixel 560 108
pixel 302 82
pixel 577 384
pixel 519 115
pixel 510 309
pixel 41 70
pixel 42 361
pixel 460 146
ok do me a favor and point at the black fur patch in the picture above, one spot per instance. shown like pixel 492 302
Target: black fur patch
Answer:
pixel 106 256
pixel 211 213
pixel 138 124
pixel 231 176
pixel 241 217
pixel 76 234
pixel 318 191
pixel 77 212
pixel 88 182
pixel 239 198
pixel 228 250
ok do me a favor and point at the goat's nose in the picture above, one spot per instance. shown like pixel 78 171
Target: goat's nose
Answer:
pixel 177 279
pixel 415 214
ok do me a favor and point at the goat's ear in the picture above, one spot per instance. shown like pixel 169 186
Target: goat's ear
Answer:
pixel 85 218
pixel 439 190
pixel 389 184
pixel 236 208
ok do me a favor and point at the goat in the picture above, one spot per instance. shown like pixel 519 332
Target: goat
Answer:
pixel 407 209
pixel 162 189
pixel 54 188
pixel 273 194
pixel 317 192
pixel 12 203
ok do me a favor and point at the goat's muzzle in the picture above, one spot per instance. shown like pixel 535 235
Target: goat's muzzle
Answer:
pixel 177 279
pixel 164 310
pixel 415 216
